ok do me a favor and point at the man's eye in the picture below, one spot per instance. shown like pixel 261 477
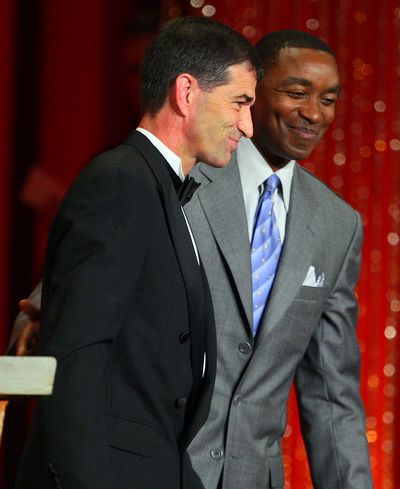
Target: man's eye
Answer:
pixel 328 101
pixel 296 94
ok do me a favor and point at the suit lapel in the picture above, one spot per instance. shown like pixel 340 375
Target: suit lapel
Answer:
pixel 222 203
pixel 297 251
pixel 192 278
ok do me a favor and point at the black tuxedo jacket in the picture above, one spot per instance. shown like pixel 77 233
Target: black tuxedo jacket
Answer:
pixel 128 316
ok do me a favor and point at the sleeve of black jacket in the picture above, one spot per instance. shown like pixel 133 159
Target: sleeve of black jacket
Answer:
pixel 95 256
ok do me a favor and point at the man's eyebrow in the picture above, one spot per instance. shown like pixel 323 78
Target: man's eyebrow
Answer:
pixel 335 89
pixel 244 98
pixel 295 80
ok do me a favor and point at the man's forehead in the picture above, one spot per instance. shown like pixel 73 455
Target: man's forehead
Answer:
pixel 241 75
pixel 303 63
pixel 299 55
pixel 244 68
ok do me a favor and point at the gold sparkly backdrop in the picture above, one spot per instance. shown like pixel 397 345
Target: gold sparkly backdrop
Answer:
pixel 359 159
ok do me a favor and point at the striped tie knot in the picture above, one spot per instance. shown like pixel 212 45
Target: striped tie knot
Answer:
pixel 272 182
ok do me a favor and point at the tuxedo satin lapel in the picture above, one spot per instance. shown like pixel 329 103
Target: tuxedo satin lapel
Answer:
pixel 297 251
pixel 184 252
pixel 194 287
pixel 222 202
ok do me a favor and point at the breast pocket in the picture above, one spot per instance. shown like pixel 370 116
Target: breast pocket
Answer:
pixel 303 315
pixel 307 293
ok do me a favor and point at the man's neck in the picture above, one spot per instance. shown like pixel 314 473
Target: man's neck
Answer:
pixel 168 130
pixel 274 161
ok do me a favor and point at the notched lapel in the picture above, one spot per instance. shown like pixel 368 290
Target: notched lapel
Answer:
pixel 193 283
pixel 223 205
pixel 297 251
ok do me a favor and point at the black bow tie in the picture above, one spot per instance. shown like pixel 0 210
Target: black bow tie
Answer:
pixel 187 189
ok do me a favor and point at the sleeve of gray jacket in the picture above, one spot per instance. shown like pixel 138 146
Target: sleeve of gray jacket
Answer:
pixel 327 383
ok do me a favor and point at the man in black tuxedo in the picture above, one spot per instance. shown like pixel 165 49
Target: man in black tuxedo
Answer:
pixel 126 308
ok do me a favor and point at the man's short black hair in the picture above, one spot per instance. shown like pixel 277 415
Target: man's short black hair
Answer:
pixel 270 46
pixel 201 47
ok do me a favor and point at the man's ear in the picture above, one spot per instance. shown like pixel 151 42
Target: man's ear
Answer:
pixel 185 89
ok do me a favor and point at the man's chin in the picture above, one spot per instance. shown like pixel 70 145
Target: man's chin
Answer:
pixel 219 163
pixel 299 154
pixel 300 150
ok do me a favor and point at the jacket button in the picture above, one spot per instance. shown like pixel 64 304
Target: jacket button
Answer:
pixel 216 453
pixel 180 402
pixel 237 400
pixel 244 347
pixel 183 337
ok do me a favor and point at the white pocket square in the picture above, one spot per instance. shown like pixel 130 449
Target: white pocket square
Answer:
pixel 312 280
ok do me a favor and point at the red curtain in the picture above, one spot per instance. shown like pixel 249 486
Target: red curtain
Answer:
pixel 7 42
pixel 62 100
pixel 76 83
pixel 7 14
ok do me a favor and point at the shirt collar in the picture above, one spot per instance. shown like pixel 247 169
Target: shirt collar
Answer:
pixel 173 160
pixel 254 170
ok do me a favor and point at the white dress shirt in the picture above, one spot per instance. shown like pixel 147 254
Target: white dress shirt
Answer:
pixel 254 170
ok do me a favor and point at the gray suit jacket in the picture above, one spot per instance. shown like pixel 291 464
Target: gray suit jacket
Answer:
pixel 308 335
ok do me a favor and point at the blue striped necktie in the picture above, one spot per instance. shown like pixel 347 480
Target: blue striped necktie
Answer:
pixel 265 249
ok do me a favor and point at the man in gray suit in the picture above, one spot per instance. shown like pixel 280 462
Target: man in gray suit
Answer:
pixel 307 332
pixel 307 329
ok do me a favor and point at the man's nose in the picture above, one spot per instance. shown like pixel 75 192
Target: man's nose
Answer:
pixel 245 124
pixel 311 110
